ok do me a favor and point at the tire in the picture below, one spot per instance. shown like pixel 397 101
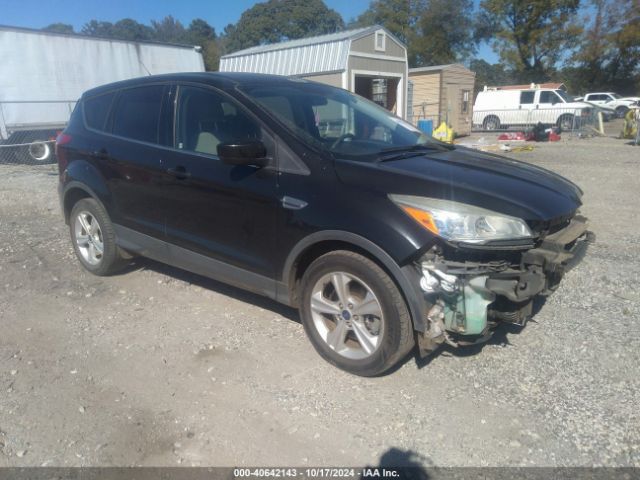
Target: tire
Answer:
pixel 366 344
pixel 621 111
pixel 565 122
pixel 100 236
pixel 40 152
pixel 491 123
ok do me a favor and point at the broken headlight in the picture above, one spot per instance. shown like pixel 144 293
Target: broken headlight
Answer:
pixel 460 222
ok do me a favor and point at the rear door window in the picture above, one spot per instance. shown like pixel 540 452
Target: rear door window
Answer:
pixel 137 113
pixel 96 110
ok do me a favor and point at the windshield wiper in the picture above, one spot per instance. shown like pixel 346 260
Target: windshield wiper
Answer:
pixel 406 151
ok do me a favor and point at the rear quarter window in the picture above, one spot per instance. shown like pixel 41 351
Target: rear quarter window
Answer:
pixel 96 110
pixel 137 113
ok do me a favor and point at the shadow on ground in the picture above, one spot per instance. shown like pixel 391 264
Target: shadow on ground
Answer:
pixel 500 335
pixel 407 464
pixel 141 263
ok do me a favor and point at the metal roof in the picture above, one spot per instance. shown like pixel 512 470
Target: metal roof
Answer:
pixel 11 28
pixel 435 68
pixel 321 54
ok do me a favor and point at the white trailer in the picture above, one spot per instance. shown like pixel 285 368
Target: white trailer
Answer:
pixel 42 74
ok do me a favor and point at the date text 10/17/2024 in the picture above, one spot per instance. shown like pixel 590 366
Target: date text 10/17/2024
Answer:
pixel 367 472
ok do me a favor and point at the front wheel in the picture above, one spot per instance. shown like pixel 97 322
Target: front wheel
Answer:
pixel 354 314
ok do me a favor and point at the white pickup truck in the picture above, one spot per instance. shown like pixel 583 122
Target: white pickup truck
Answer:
pixel 610 100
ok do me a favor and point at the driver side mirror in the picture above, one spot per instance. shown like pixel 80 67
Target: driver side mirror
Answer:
pixel 251 153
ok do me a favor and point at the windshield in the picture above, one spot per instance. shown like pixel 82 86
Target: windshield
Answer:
pixel 565 96
pixel 615 95
pixel 345 124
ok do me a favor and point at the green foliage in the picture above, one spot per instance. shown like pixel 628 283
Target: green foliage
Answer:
pixel 96 28
pixel 397 16
pixel 610 55
pixel 445 33
pixel 129 29
pixel 531 36
pixel 125 29
pixel 278 20
pixel 59 28
pixel 435 31
pixel 169 30
pixel 490 75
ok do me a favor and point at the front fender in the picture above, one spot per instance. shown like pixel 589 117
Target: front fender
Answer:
pixel 407 277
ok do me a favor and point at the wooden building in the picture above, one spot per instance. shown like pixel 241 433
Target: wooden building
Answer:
pixel 442 93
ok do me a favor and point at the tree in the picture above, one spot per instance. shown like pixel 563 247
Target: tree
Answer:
pixel 434 31
pixel 169 30
pixel 59 28
pixel 609 53
pixel 129 29
pixel 96 28
pixel 203 34
pixel 125 29
pixel 397 16
pixel 278 20
pixel 199 30
pixel 445 33
pixel 489 75
pixel 531 36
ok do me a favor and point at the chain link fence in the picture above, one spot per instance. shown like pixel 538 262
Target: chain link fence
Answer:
pixel 28 130
pixel 572 120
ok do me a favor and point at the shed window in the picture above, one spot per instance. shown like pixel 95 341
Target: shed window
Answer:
pixel 380 41
pixel 465 101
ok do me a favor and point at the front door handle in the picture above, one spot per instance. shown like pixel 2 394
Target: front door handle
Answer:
pixel 179 172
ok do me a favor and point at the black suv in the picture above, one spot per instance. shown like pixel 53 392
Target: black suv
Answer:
pixel 381 236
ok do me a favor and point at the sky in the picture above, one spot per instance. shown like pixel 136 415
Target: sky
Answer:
pixel 218 13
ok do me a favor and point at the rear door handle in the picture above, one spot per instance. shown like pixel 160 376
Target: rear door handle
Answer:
pixel 179 172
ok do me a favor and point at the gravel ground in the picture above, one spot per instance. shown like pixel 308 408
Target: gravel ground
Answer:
pixel 160 367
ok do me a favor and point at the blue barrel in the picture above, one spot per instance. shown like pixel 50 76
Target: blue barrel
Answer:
pixel 426 126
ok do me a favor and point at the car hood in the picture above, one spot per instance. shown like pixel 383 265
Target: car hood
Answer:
pixel 472 177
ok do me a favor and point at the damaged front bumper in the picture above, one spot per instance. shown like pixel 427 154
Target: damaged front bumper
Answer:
pixel 467 298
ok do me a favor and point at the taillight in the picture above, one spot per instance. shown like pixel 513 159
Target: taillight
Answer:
pixel 61 153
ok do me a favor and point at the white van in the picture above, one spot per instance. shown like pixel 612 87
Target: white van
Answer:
pixel 499 109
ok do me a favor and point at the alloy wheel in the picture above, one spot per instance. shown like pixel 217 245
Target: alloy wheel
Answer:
pixel 88 237
pixel 347 315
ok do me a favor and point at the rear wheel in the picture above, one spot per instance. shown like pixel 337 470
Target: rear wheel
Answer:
pixel 93 238
pixel 354 314
pixel 565 122
pixel 491 123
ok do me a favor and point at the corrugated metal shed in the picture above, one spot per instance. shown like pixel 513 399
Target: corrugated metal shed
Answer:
pixel 356 60
pixel 321 54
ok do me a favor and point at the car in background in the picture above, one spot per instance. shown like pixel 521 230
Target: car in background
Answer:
pixel 610 100
pixel 379 234
pixel 497 108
